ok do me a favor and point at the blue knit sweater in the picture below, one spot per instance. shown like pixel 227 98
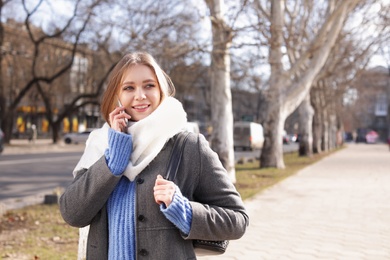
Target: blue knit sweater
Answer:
pixel 121 224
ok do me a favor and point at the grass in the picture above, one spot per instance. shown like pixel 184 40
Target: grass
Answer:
pixel 39 232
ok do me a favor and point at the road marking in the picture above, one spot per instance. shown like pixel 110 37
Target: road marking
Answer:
pixel 38 160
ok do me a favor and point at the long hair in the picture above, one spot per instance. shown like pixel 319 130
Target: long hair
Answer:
pixel 109 97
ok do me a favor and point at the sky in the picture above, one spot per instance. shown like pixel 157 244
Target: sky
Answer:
pixel 379 60
pixel 56 8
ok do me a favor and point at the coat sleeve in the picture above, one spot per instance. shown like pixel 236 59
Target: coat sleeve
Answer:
pixel 217 208
pixel 87 194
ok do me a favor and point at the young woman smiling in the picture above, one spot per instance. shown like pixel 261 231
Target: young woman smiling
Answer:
pixel 119 189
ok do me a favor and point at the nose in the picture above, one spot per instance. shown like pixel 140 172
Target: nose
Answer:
pixel 140 94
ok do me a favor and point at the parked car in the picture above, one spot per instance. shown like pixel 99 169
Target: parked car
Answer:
pixel 248 135
pixel 1 141
pixel 372 137
pixel 361 134
pixel 75 138
pixel 348 137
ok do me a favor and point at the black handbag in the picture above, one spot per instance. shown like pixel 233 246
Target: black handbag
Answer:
pixel 201 247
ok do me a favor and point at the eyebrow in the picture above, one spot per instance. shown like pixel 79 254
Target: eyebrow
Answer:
pixel 145 81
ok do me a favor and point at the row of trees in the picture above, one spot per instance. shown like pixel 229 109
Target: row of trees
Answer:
pixel 295 54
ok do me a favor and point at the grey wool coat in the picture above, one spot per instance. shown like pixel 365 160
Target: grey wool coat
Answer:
pixel 217 208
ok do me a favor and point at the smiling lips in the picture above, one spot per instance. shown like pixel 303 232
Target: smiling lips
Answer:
pixel 141 108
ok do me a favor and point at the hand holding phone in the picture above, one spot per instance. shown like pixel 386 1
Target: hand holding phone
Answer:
pixel 123 111
pixel 120 105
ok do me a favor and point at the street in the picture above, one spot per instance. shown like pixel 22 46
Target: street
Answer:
pixel 30 174
pixel 26 178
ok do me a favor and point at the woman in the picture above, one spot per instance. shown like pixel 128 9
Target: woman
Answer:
pixel 119 189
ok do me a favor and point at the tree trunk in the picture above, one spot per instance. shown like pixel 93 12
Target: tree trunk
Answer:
pixel 325 131
pixel 7 124
pixel 3 124
pixel 340 132
pixel 317 133
pixel 332 132
pixel 272 151
pixel 55 135
pixel 288 88
pixel 221 105
pixel 317 121
pixel 306 113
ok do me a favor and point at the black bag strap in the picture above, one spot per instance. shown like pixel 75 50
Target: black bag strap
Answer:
pixel 176 154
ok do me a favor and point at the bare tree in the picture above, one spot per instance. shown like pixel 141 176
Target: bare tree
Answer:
pixel 38 72
pixel 2 53
pixel 328 91
pixel 290 84
pixel 221 106
pixel 45 92
pixel 306 113
pixel 109 36
pixel 349 58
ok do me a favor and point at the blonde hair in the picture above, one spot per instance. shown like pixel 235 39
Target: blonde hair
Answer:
pixel 109 100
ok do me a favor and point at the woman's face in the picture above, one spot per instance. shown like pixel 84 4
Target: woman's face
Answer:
pixel 139 92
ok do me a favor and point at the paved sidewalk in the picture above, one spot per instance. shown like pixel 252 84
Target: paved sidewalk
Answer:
pixel 338 208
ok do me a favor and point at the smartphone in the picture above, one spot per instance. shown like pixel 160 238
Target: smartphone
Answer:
pixel 120 105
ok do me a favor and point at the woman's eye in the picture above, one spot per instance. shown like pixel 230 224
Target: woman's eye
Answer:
pixel 128 88
pixel 150 86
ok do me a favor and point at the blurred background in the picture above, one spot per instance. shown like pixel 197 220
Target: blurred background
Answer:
pixel 314 72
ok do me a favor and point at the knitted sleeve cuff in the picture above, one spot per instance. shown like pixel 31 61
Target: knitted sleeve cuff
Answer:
pixel 120 146
pixel 179 212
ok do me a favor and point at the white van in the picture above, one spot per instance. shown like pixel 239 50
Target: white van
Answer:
pixel 248 135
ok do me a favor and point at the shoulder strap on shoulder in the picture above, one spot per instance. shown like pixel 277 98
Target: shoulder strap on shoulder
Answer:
pixel 176 155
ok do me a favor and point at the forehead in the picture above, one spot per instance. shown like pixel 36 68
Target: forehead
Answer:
pixel 138 72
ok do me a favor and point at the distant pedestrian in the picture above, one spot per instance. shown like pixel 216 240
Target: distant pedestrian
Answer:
pixel 33 133
pixel 388 141
pixel 119 188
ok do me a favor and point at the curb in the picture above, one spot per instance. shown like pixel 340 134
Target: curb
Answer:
pixel 23 146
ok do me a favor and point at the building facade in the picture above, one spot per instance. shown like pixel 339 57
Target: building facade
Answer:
pixel 24 60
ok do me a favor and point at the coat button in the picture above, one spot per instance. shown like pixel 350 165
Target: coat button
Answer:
pixel 141 218
pixel 143 252
pixel 140 181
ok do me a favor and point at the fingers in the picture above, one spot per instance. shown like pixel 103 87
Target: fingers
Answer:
pixel 118 119
pixel 163 191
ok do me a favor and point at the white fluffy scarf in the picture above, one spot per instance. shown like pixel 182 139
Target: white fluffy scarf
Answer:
pixel 149 137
